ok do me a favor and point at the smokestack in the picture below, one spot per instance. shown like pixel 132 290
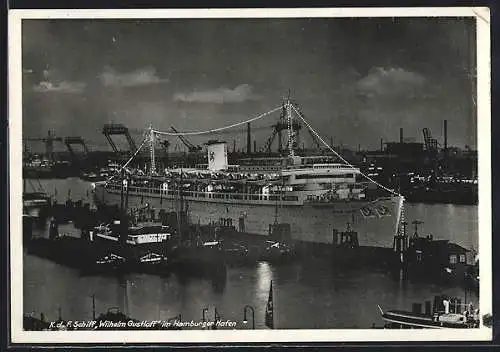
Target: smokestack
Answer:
pixel 381 144
pixel 445 135
pixel 401 135
pixel 249 143
pixel 255 146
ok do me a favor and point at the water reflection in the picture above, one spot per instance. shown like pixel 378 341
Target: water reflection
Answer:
pixel 264 277
pixel 219 282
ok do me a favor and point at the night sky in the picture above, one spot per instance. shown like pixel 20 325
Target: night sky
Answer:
pixel 358 80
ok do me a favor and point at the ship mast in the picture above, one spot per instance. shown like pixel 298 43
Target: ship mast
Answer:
pixel 276 211
pixel 152 149
pixel 280 187
pixel 180 204
pixel 291 134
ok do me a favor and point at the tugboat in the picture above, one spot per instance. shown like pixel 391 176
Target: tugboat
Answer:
pixel 440 259
pixel 446 313
pixel 240 247
pixel 140 237
pixel 279 248
pixel 35 202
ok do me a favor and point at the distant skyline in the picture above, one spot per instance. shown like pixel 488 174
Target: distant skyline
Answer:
pixel 358 80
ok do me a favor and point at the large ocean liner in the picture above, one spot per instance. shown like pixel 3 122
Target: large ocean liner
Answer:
pixel 314 194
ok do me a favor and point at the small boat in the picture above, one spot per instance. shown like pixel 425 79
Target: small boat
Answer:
pixel 236 253
pixel 110 263
pixel 152 258
pixel 447 314
pixel 95 176
pixel 34 202
pixel 151 263
pixel 276 251
pixel 91 177
pixel 110 259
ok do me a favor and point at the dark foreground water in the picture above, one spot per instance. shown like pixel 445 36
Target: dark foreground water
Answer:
pixel 307 295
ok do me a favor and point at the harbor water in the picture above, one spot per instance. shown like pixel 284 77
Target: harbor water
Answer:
pixel 308 294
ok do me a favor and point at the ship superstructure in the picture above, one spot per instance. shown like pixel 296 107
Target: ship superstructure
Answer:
pixel 290 181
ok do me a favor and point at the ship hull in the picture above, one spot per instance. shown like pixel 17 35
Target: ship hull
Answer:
pixel 309 223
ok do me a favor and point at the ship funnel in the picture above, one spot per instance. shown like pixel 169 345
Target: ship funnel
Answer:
pixel 217 156
pixel 445 127
pixel 249 138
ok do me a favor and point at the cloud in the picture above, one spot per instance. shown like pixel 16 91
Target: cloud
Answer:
pixel 140 77
pixel 221 95
pixel 63 87
pixel 53 81
pixel 391 82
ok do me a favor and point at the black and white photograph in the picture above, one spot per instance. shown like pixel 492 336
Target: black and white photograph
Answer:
pixel 250 175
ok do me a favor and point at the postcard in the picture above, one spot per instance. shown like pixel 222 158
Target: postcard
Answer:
pixel 250 175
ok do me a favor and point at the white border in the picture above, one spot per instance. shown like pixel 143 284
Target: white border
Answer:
pixel 484 158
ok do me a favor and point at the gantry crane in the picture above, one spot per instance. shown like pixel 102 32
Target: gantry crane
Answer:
pixel 69 141
pixel 49 143
pixel 118 129
pixel 191 147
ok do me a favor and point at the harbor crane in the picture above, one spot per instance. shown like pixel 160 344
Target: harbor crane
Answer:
pixel 118 129
pixel 49 143
pixel 431 144
pixel 70 141
pixel 191 147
